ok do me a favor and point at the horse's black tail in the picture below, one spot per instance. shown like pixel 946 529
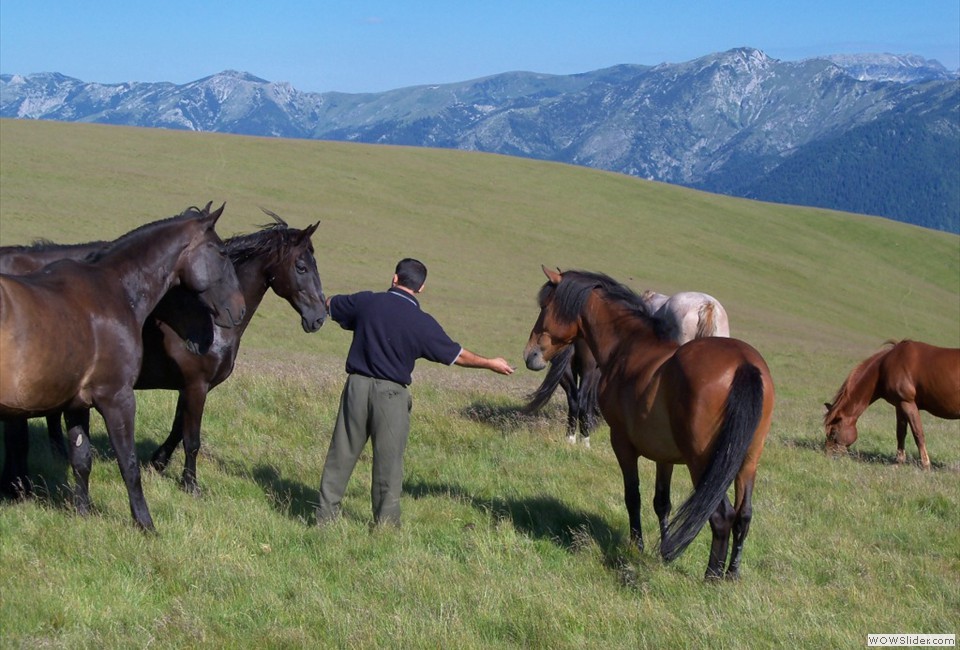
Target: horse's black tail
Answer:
pixel 743 411
pixel 558 366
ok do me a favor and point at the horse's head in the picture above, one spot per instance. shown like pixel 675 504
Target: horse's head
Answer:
pixel 294 275
pixel 205 267
pixel 840 429
pixel 553 330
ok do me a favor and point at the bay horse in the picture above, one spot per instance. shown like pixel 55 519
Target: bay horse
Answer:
pixel 706 404
pixel 183 349
pixel 105 301
pixel 18 260
pixel 682 317
pixel 910 375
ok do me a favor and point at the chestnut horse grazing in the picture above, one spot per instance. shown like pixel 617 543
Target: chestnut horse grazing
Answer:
pixel 94 364
pixel 706 404
pixel 910 375
pixel 680 317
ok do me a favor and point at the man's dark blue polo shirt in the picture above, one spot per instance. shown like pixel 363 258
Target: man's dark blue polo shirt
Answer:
pixel 390 332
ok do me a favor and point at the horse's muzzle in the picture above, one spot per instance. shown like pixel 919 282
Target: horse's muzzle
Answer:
pixel 533 357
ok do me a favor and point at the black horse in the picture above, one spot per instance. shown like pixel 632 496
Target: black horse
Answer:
pixel 575 370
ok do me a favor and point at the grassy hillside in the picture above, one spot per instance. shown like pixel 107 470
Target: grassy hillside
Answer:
pixel 510 537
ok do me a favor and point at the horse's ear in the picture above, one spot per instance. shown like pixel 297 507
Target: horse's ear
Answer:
pixel 827 406
pixel 206 208
pixel 216 213
pixel 553 276
pixel 306 233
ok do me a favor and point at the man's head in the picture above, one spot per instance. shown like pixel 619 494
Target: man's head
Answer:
pixel 410 274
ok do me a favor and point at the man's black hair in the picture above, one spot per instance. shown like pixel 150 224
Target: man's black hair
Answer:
pixel 411 274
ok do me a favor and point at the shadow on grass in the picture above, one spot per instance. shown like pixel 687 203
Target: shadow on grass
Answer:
pixel 505 418
pixel 291 498
pixel 866 457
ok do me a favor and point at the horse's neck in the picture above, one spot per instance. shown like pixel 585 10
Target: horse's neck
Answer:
pixel 253 276
pixel 606 326
pixel 860 389
pixel 145 272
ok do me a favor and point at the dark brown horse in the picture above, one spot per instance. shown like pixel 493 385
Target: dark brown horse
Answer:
pixel 910 375
pixel 706 404
pixel 183 349
pixel 94 361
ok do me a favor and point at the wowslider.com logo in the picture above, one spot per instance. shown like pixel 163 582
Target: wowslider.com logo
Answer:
pixel 911 640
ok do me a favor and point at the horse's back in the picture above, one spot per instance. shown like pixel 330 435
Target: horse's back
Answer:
pixel 927 374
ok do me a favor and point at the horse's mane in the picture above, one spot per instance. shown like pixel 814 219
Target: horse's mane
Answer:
pixel 43 245
pixel 575 287
pixel 853 379
pixel 274 238
pixel 190 213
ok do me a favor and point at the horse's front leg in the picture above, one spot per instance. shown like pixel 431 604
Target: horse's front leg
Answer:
pixel 80 454
pixel 15 480
pixel 901 436
pixel 119 414
pixel 916 427
pixel 627 459
pixel 192 399
pixel 661 497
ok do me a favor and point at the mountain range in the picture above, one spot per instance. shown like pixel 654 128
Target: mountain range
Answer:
pixel 874 134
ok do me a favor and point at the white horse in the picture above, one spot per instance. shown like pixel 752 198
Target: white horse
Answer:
pixel 682 317
pixel 687 315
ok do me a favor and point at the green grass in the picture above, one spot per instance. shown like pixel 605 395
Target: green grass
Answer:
pixel 511 537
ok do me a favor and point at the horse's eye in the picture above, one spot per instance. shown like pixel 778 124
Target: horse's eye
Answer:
pixel 301 269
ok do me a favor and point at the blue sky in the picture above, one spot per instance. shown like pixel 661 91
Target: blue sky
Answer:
pixel 358 46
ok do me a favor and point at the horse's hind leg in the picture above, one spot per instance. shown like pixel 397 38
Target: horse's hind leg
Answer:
pixel 55 435
pixel 741 525
pixel 721 521
pixel 80 454
pixel 14 480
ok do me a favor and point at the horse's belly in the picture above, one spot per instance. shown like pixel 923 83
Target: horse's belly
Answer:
pixel 652 437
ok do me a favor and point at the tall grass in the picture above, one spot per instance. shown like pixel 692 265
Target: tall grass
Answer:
pixel 511 537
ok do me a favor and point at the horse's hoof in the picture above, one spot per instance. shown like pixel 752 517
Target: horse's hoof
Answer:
pixel 159 463
pixel 192 488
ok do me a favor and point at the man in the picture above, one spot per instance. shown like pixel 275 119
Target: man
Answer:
pixel 390 332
